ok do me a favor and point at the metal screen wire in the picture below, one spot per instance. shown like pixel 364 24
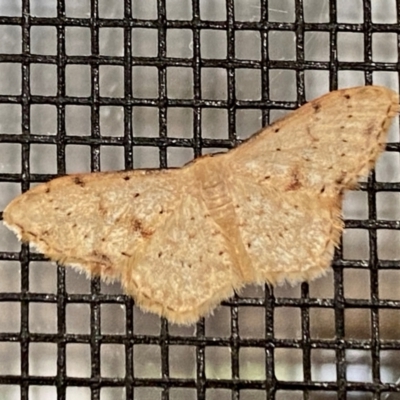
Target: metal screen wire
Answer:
pixel 108 85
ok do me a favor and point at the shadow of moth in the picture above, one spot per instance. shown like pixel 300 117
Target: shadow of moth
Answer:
pixel 181 240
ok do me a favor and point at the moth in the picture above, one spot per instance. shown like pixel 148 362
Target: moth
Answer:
pixel 181 240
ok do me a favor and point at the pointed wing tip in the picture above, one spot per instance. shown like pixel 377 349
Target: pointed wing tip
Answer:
pixel 23 236
pixel 393 98
pixel 374 91
pixel 13 228
pixel 9 220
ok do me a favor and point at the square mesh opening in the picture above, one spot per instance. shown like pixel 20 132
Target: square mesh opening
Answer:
pixel 90 85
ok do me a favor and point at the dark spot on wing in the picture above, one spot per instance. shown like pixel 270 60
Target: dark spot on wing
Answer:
pixel 136 195
pixel 126 178
pixel 316 106
pixel 101 256
pixel 47 190
pixel 347 96
pixel 295 183
pixel 340 180
pixel 138 227
pixel 79 181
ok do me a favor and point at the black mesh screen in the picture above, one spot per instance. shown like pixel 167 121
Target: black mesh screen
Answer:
pixel 99 85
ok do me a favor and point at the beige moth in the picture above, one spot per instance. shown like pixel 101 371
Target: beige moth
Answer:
pixel 182 240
